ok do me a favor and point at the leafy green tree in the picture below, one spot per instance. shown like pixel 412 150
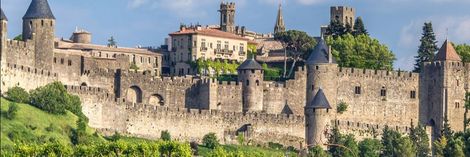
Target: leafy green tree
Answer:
pixel 351 144
pixel 336 29
pixel 361 51
pixel 218 152
pixel 420 141
pixel 446 130
pixel 359 28
pixel 112 42
pixel 466 120
pixel 17 94
pixel 342 107
pixel 370 148
pixel 454 148
pixel 317 151
pixel 390 139
pixel 464 51
pixel 439 146
pixel 12 111
pixel 210 140
pixel 18 37
pixel 348 29
pixel 428 47
pixel 173 148
pixel 165 135
pixel 51 98
pixel 405 148
pixel 298 43
pixel 334 139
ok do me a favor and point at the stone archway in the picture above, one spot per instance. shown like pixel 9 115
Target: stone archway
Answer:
pixel 134 94
pixel 156 100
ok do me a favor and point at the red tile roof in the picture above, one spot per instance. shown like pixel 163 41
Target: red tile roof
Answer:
pixel 447 53
pixel 208 32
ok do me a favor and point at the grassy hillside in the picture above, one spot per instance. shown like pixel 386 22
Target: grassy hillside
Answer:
pixel 32 125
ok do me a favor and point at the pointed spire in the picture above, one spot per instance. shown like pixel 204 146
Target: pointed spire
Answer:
pixel 279 27
pixel 319 101
pixel 39 9
pixel 2 15
pixel 447 53
pixel 321 54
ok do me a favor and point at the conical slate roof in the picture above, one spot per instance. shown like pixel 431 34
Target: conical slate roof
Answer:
pixel 2 15
pixel 320 53
pixel 250 64
pixel 447 53
pixel 319 101
pixel 39 9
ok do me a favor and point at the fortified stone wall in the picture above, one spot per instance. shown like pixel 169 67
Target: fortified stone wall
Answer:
pixel 19 52
pixel 376 96
pixel 26 77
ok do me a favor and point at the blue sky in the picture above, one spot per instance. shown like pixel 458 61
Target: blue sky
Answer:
pixel 396 23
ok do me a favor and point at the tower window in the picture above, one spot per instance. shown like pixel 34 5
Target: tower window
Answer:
pixel 413 94
pixel 357 90
pixel 55 60
pixel 252 71
pixel 247 82
pixel 383 92
pixel 257 82
pixel 42 22
pixel 70 63
pixel 61 61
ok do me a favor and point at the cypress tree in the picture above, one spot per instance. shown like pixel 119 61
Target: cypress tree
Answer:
pixel 359 27
pixel 427 48
pixel 420 141
pixel 336 28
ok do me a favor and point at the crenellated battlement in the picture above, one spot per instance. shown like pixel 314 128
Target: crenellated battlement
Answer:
pixel 378 74
pixel 17 44
pixel 362 126
pixel 31 70
pixel 448 64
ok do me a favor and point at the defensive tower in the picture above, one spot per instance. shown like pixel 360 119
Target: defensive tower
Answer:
pixel 3 34
pixel 39 26
pixel 345 15
pixel 227 17
pixel 316 120
pixel 250 73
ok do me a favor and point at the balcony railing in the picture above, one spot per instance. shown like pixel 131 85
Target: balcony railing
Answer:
pixel 204 49
pixel 223 51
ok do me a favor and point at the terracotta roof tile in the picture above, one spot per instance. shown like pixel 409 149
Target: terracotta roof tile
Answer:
pixel 209 32
pixel 447 53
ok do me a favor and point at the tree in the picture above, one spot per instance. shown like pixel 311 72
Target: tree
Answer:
pixel 112 42
pixel 298 43
pixel 51 98
pixel 348 29
pixel 420 140
pixel 18 37
pixel 210 140
pixel 464 51
pixel 165 135
pixel 334 138
pixel 17 94
pixel 361 51
pixel 12 110
pixel 317 151
pixel 428 47
pixel 446 130
pixel 454 148
pixel 405 148
pixel 352 149
pixel 336 29
pixel 359 28
pixel 390 139
pixel 439 146
pixel 370 148
pixel 342 107
pixel 466 120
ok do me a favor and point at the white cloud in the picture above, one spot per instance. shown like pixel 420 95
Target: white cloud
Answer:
pixel 309 2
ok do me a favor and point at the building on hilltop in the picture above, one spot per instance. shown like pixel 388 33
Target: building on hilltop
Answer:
pixel 121 89
pixel 343 14
pixel 196 42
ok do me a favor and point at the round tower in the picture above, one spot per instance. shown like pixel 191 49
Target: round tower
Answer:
pixel 3 34
pixel 39 26
pixel 81 36
pixel 321 87
pixel 317 120
pixel 250 73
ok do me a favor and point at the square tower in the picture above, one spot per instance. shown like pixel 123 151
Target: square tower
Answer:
pixel 227 17
pixel 345 15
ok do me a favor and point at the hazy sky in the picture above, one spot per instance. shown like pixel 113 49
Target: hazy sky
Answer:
pixel 396 23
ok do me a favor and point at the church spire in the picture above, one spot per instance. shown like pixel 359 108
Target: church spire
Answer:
pixel 279 27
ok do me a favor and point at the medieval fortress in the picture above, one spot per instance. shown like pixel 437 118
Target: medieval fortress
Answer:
pixel 295 112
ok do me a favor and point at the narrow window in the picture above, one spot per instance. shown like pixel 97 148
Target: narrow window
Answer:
pixel 70 63
pixel 247 82
pixel 383 92
pixel 61 61
pixel 257 82
pixel 55 60
pixel 357 90
pixel 252 71
pixel 413 94
pixel 42 22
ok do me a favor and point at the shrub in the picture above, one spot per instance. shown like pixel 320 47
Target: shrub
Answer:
pixel 17 94
pixel 241 139
pixel 210 140
pixel 276 146
pixel 342 107
pixel 12 110
pixel 165 135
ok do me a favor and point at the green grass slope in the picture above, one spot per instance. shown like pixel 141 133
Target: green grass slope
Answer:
pixel 32 125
